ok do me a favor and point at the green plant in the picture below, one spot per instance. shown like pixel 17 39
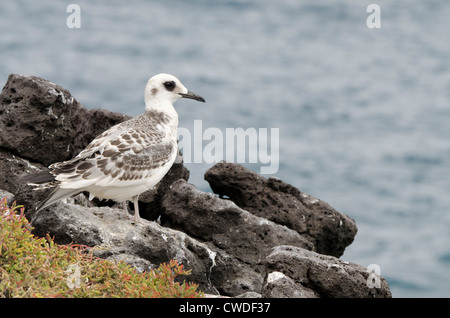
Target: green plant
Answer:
pixel 38 267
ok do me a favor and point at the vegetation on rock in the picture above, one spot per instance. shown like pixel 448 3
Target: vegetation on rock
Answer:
pixel 38 267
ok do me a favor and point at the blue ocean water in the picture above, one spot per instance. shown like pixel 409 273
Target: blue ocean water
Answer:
pixel 363 114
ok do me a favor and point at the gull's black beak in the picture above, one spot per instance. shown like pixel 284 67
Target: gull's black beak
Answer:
pixel 191 95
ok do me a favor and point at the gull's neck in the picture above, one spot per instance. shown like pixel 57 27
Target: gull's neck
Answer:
pixel 167 109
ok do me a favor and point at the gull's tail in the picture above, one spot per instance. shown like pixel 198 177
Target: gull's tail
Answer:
pixel 45 180
pixel 56 195
pixel 43 177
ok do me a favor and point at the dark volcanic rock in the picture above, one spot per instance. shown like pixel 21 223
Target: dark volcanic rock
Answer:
pixel 329 230
pixel 322 275
pixel 41 121
pixel 12 168
pixel 278 285
pixel 208 218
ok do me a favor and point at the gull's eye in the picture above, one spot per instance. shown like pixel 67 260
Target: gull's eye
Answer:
pixel 170 86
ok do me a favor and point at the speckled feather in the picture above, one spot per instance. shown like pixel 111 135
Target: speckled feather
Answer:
pixel 124 155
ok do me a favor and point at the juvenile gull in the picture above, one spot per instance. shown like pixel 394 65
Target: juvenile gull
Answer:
pixel 128 158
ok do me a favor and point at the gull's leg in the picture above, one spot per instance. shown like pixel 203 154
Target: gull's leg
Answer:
pixel 125 209
pixel 137 218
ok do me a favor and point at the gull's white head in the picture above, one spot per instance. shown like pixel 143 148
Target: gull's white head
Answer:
pixel 165 88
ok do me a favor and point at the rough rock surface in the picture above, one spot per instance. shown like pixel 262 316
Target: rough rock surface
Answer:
pixel 267 239
pixel 278 285
pixel 208 218
pixel 43 122
pixel 329 230
pixel 322 275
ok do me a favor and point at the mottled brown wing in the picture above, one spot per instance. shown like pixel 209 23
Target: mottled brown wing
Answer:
pixel 112 159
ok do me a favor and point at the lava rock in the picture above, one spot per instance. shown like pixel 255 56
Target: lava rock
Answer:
pixel 323 275
pixel 330 231
pixel 279 285
pixel 43 122
pixel 13 168
pixel 232 229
